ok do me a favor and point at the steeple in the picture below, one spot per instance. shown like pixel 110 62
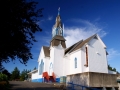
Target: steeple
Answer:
pixel 57 27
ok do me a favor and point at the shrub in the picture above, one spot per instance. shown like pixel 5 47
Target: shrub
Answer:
pixel 3 77
pixel 4 84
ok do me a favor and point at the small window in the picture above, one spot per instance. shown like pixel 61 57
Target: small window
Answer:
pixel 75 62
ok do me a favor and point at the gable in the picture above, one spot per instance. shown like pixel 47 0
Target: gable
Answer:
pixel 96 37
pixel 81 43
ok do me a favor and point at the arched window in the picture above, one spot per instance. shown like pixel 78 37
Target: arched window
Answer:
pixel 75 62
pixel 41 67
pixel 51 69
pixel 51 65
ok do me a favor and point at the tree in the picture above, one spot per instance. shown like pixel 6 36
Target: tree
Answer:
pixel 23 75
pixel 34 68
pixel 18 24
pixel 112 69
pixel 109 67
pixel 6 73
pixel 1 67
pixel 15 74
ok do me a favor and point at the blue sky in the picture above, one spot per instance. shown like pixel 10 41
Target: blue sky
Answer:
pixel 81 18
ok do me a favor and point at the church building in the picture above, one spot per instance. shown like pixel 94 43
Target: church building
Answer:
pixel 56 60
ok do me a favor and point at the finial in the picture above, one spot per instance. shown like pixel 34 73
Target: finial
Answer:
pixel 59 11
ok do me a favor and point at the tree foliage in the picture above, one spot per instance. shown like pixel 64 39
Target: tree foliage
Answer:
pixel 6 73
pixel 15 74
pixel 112 69
pixel 1 67
pixel 24 75
pixel 18 26
pixel 34 68
pixel 3 77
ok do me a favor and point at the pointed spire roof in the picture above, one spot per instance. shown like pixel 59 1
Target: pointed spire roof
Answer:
pixel 58 22
pixel 57 27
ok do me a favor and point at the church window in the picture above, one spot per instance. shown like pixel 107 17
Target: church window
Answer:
pixel 86 50
pixel 75 62
pixel 95 37
pixel 51 68
pixel 51 65
pixel 41 67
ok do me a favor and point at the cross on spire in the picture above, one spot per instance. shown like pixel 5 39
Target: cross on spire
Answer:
pixel 59 11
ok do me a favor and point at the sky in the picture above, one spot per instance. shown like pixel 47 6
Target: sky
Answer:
pixel 81 19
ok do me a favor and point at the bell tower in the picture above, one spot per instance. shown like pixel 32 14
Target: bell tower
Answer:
pixel 57 27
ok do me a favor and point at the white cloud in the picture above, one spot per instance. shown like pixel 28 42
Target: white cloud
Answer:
pixel 76 33
pixel 112 53
pixel 50 18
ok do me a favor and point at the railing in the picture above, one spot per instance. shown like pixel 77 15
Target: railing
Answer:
pixel 72 87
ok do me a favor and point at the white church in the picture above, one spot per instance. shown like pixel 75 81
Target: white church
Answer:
pixel 56 60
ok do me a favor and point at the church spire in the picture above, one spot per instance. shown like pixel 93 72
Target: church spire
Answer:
pixel 57 27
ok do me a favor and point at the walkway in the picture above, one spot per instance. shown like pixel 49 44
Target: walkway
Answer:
pixel 21 85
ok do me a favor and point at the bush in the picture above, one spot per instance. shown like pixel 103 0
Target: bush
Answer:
pixel 3 77
pixel 4 84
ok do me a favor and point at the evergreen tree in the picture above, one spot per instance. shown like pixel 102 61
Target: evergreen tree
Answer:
pixel 109 67
pixel 15 74
pixel 34 68
pixel 24 75
pixel 114 69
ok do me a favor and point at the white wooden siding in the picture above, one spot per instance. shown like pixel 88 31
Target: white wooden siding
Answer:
pixel 97 61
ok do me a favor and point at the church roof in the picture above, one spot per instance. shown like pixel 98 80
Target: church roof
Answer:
pixel 72 47
pixel 56 40
pixel 78 45
pixel 58 37
pixel 46 51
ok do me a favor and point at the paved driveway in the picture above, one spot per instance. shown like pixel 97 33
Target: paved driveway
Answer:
pixel 21 85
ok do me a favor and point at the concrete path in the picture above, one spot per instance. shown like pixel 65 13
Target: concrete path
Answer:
pixel 21 85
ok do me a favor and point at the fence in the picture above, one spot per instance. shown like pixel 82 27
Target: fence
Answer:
pixel 72 86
